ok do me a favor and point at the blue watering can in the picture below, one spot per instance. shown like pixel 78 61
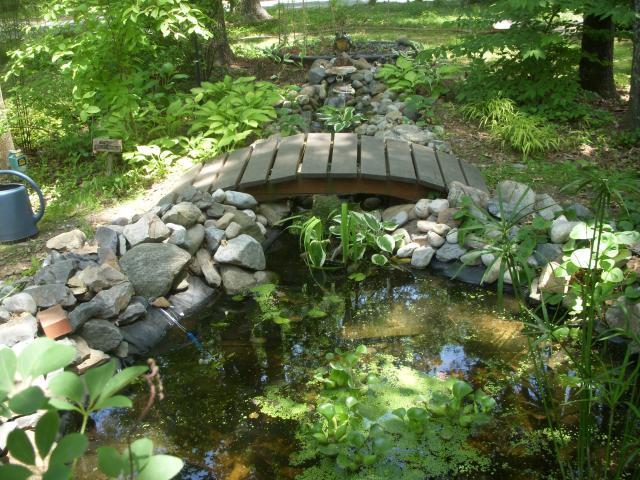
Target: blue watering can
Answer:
pixel 17 220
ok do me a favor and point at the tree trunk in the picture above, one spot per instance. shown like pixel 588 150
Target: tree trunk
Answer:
pixel 633 117
pixel 217 53
pixel 253 11
pixel 596 62
pixel 6 141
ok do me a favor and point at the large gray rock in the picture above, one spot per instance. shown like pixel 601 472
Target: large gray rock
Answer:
pixel 58 272
pixel 100 277
pixel 153 267
pixel 237 280
pixel 449 252
pixel 178 234
pixel 82 313
pixel 47 296
pixel 136 309
pixel 561 229
pixel 547 252
pixel 409 133
pixel 517 199
pixel 193 239
pixel 196 296
pixel 422 209
pixel 67 241
pixel 18 330
pixel 101 335
pixel 20 303
pixel 274 212
pixel 107 237
pixel 247 225
pixel 547 207
pixel 185 214
pixel 213 237
pixel 240 200
pixel 208 269
pixel 316 74
pixel 149 228
pixel 109 303
pixel 422 257
pixel 399 214
pixel 459 190
pixel 242 251
pixel 147 332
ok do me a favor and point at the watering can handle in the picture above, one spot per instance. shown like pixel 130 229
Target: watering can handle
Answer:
pixel 35 186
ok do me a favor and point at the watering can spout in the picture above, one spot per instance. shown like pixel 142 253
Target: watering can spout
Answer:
pixel 17 220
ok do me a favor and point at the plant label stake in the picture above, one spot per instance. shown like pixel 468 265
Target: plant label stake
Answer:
pixel 110 147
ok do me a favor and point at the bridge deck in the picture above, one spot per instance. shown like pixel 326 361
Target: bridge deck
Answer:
pixel 340 163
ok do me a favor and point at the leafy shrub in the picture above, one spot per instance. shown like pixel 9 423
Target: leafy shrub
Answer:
pixel 340 119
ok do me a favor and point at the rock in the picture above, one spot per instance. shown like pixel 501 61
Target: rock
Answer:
pixel 216 210
pixel 439 205
pixel 315 75
pixel 427 226
pixel 107 237
pixel 471 259
pixel 246 225
pixel 209 271
pixel 191 194
pixel 452 236
pixel 237 280
pixel 474 242
pixel 243 251
pixel 548 282
pixel 152 268
pixel 184 213
pixel 178 234
pixel 18 330
pixel 377 87
pixel 435 240
pixel 58 272
pixel 422 257
pixel 101 335
pixel 274 212
pixel 133 312
pixel 219 196
pixel 422 208
pixel 224 221
pixel 625 316
pixel 241 200
pixel 82 313
pixel 459 190
pixel 146 333
pixel 406 251
pixel 547 207
pixel 213 238
pixel 492 272
pixel 109 303
pixel 122 351
pixel 193 298
pixel 561 229
pixel 72 240
pixel 47 296
pixel 399 214
pixel 194 238
pixel 580 212
pixel 409 133
pixel 100 277
pixel 5 315
pixel 20 303
pixel 149 228
pixel 517 199
pixel 547 252
pixel 449 252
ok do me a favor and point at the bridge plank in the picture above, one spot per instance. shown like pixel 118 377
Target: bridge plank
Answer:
pixel 316 155
pixel 285 165
pixel 400 162
pixel 209 172
pixel 427 168
pixel 474 176
pixel 450 167
pixel 260 163
pixel 233 168
pixel 344 160
pixel 373 162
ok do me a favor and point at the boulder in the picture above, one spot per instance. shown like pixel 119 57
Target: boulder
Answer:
pixel 153 267
pixel 242 251
pixel 399 214
pixel 315 75
pixel 101 335
pixel 213 237
pixel 547 207
pixel 178 234
pixel 183 213
pixel 147 332
pixel 561 229
pixel 548 282
pixel 435 240
pixel 58 272
pixel 47 296
pixel 406 251
pixel 20 303
pixel 72 240
pixel 110 302
pixel 240 200
pixel 82 313
pixel 245 224
pixel 216 210
pixel 224 221
pixel 193 239
pixel 274 212
pixel 438 205
pixel 5 315
pixel 133 312
pixel 517 199
pixel 107 237
pixel 196 296
pixel 422 256
pixel 422 208
pixel 18 330
pixel 409 133
pixel 452 236
pixel 237 280
pixel 100 277
pixel 447 217
pixel 459 190
pixel 427 226
pixel 547 252
pixel 148 229
pixel 208 269
pixel 449 252
pixel 219 196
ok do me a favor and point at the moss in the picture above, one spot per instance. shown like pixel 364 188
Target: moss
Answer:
pixel 274 404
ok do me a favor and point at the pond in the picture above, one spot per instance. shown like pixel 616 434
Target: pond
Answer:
pixel 442 328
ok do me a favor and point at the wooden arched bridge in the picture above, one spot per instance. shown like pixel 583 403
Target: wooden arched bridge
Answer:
pixel 340 163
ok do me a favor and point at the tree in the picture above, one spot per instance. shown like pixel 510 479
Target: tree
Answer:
pixel 596 61
pixel 6 141
pixel 253 11
pixel 633 118
pixel 217 52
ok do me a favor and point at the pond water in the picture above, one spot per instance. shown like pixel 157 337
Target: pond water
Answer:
pixel 439 327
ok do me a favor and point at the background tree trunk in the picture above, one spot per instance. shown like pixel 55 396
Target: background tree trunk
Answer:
pixel 253 11
pixel 633 117
pixel 217 53
pixel 6 141
pixel 596 63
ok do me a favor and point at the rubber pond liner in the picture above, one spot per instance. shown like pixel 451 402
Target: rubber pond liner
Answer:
pixel 225 403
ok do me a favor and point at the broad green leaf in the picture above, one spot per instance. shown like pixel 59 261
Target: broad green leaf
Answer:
pixel 581 257
pixel 43 356
pixel 69 448
pixel 67 385
pixel 46 431
pixel 121 380
pixel 361 349
pixel 385 242
pixel 8 362
pixel 379 260
pixel 316 313
pixel 350 402
pixel 20 447
pixel 28 401
pixel 327 410
pixel 582 231
pixel 116 401
pixel 110 461
pixel 14 472
pixel 57 472
pixel 356 438
pixel 615 275
pixel 317 254
pixel 627 238
pixel 96 379
pixel 382 444
pixel 357 276
pixel 461 389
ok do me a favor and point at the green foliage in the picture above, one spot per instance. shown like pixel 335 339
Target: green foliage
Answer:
pixel 95 390
pixel 340 119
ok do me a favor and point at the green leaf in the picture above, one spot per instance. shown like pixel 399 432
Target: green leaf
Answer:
pixel 356 438
pixel 117 401
pixel 69 448
pixel 627 238
pixel 327 410
pixel 121 380
pixel 316 313
pixel 379 260
pixel 317 255
pixel 97 378
pixel 581 257
pixel 69 386
pixel 109 461
pixel 361 349
pixel 382 444
pixel 20 447
pixel 57 472
pixel 582 231
pixel 8 362
pixel 357 276
pixel 14 472
pixel 46 432
pixel 28 401
pixel 614 275
pixel 386 242
pixel 350 402
pixel 44 356
pixel 461 389
pixel 161 467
